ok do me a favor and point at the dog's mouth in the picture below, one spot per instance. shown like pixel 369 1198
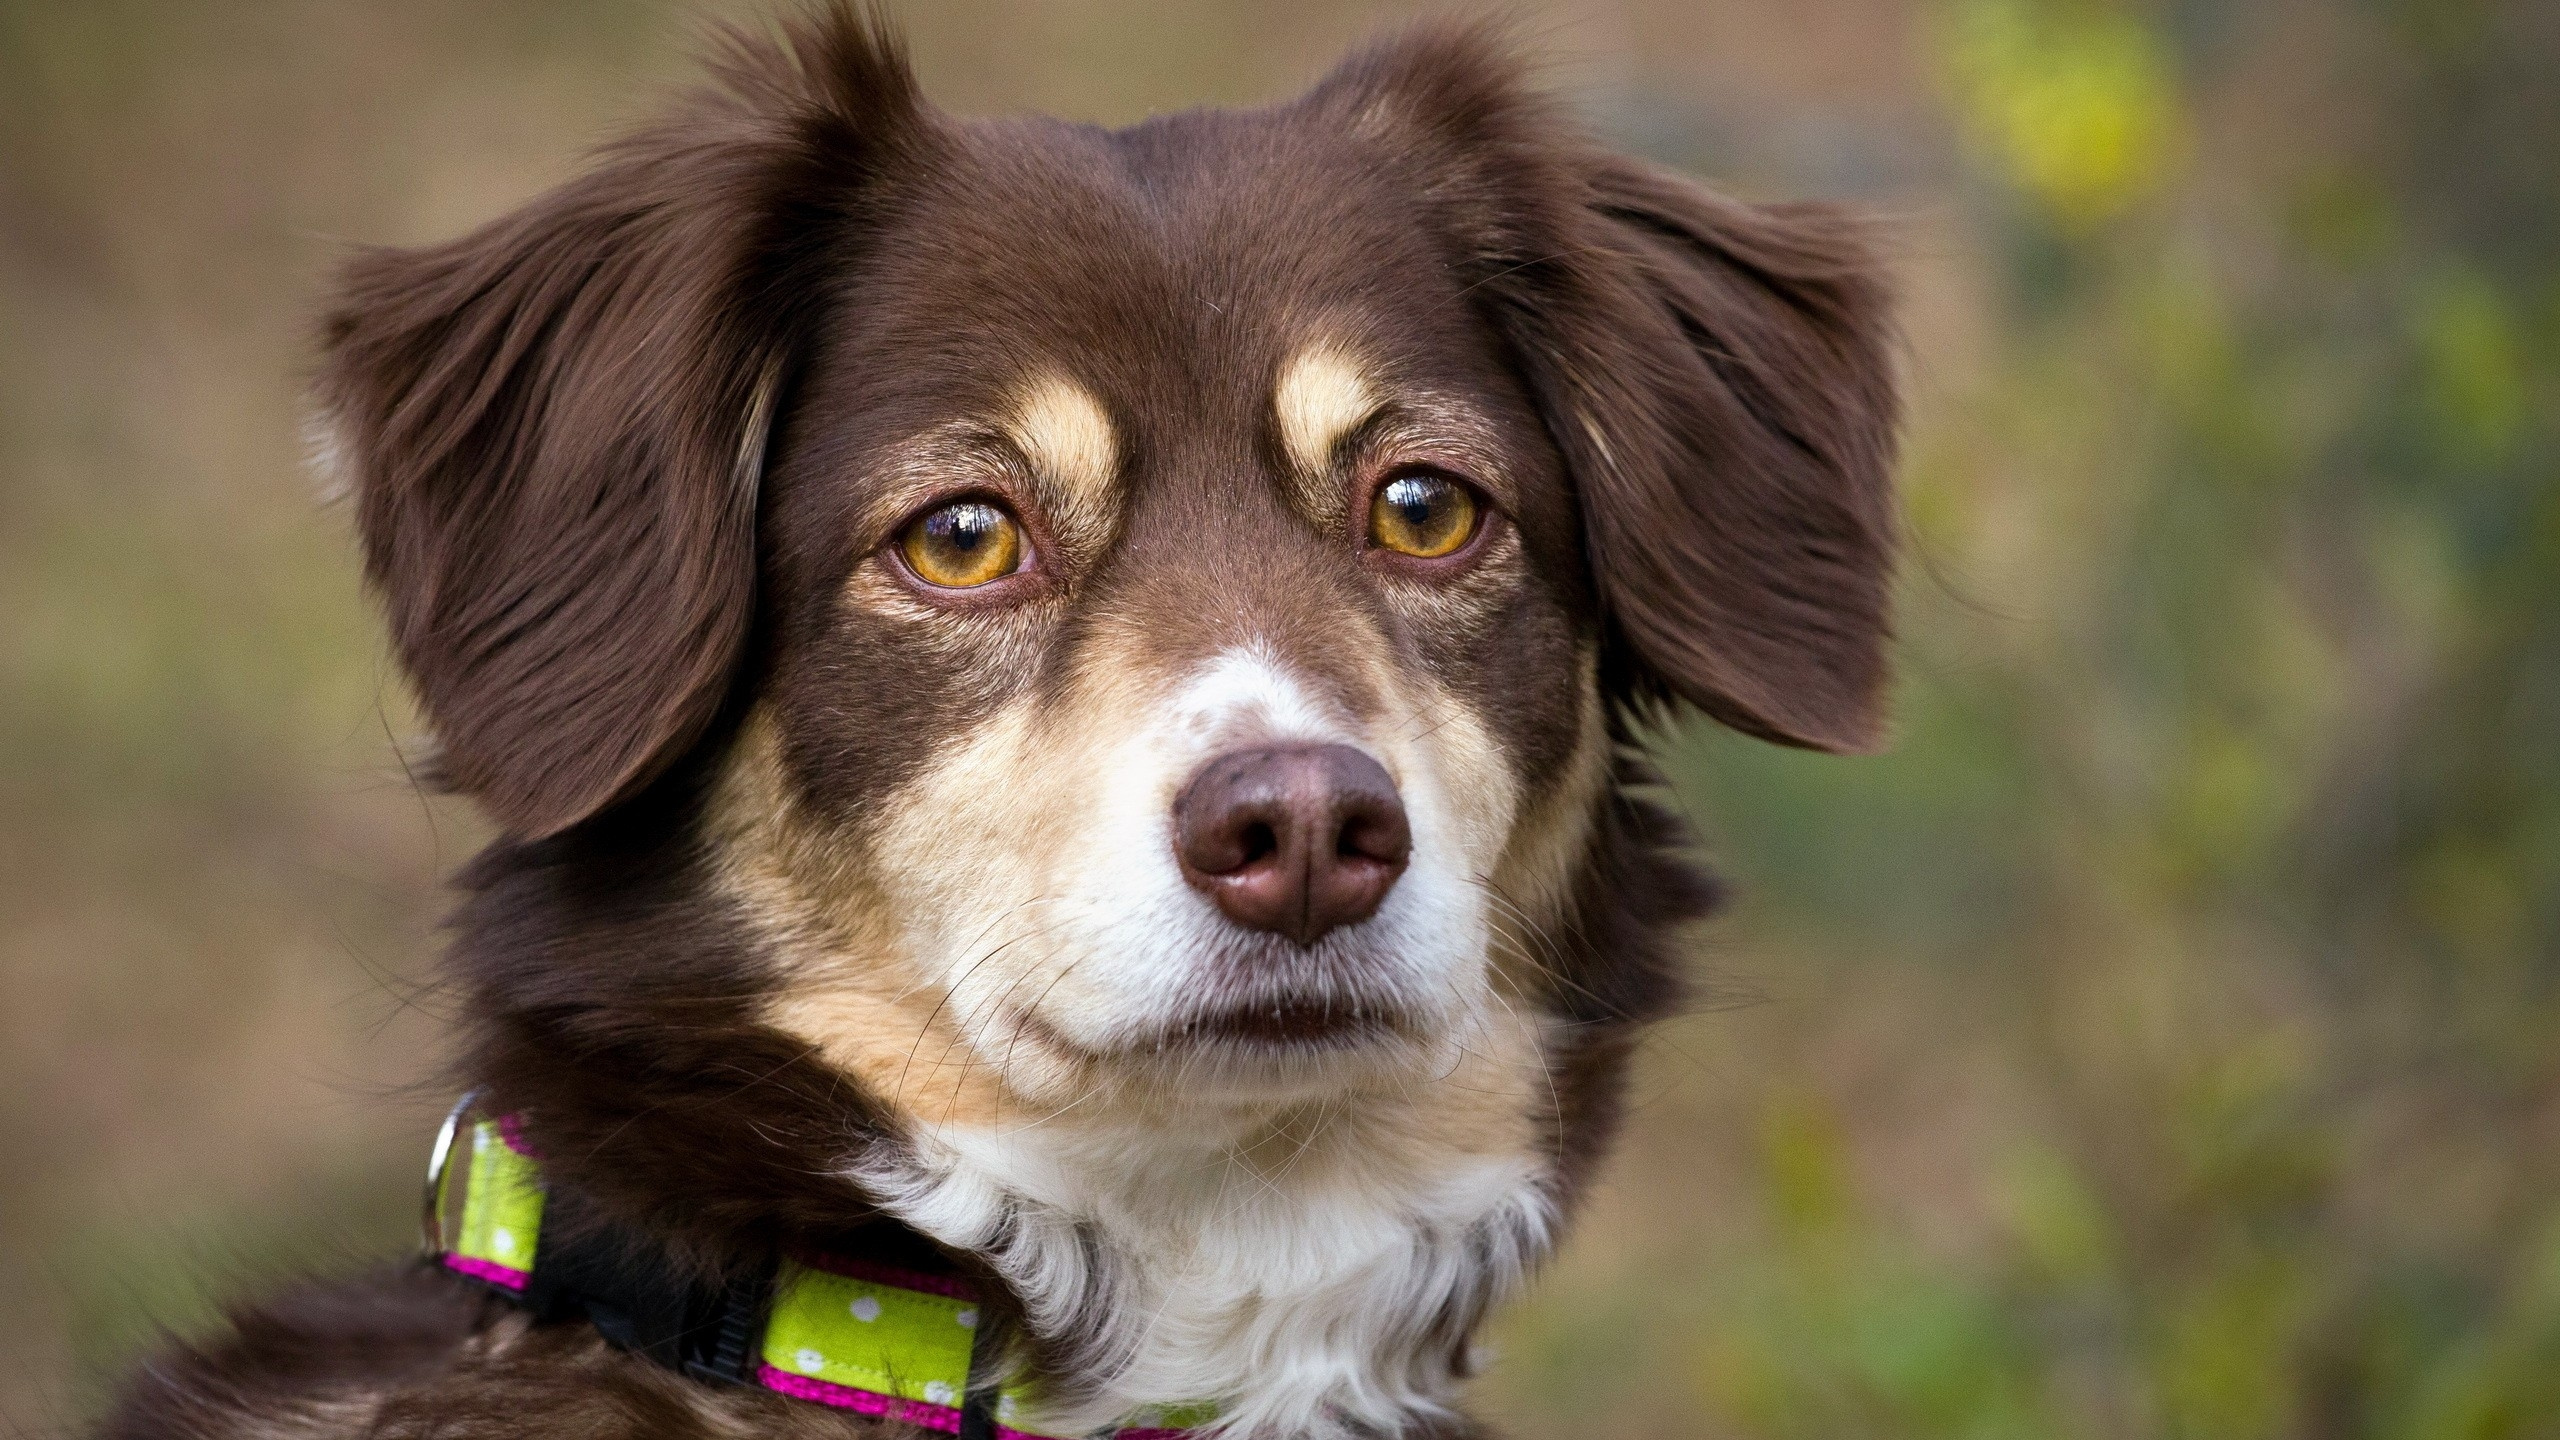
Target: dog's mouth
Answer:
pixel 1279 1028
pixel 1295 1023
pixel 1242 1018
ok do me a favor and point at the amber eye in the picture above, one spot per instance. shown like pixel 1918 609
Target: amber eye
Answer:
pixel 1423 515
pixel 963 545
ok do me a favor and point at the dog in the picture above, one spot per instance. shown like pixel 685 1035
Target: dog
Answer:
pixel 1062 708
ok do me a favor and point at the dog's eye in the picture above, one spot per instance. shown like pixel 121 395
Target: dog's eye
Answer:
pixel 963 545
pixel 1423 515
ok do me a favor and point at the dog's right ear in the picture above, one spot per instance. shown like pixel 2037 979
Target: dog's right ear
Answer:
pixel 554 427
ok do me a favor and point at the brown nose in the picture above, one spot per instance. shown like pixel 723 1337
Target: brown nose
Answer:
pixel 1294 839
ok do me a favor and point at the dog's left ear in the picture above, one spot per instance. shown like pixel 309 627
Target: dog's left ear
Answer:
pixel 1718 376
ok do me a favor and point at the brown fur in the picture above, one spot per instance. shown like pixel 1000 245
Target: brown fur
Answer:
pixel 628 462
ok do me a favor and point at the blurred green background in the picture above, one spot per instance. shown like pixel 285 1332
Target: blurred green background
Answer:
pixel 2164 1040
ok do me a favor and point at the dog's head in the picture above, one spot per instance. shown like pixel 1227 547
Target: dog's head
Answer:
pixel 1145 613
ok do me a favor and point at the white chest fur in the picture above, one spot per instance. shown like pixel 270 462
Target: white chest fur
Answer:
pixel 1313 1273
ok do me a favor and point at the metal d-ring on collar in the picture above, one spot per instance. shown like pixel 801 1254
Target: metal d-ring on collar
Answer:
pixel 431 1224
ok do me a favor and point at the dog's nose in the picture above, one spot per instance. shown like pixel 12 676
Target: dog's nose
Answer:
pixel 1294 839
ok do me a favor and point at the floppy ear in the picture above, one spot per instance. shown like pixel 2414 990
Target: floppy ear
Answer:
pixel 554 426
pixel 1724 393
pixel 1718 376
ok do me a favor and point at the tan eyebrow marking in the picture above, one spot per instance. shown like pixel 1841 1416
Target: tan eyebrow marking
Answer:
pixel 1063 431
pixel 1323 395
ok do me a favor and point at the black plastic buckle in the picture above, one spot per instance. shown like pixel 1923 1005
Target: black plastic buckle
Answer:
pixel 722 1341
pixel 638 1302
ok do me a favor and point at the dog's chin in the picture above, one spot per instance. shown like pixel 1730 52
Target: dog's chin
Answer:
pixel 1253 1071
pixel 1275 1052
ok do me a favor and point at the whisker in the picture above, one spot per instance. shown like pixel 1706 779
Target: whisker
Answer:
pixel 900 1090
pixel 1016 1039
pixel 1655 1037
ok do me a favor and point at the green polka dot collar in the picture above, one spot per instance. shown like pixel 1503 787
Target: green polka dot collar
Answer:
pixel 836 1330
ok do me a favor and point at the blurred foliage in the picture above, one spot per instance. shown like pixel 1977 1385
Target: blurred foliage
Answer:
pixel 2225 825
pixel 2162 1041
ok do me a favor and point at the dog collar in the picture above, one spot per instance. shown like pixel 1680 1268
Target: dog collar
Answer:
pixel 852 1332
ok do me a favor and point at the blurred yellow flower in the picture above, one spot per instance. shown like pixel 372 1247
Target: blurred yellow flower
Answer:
pixel 2074 104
